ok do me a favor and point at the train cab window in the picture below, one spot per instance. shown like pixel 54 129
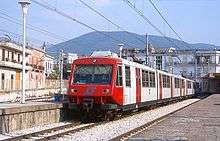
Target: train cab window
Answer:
pixel 152 79
pixel 127 76
pixel 166 81
pixel 145 79
pixel 92 74
pixel 177 83
pixel 119 76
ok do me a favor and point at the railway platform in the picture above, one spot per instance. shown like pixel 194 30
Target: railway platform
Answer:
pixel 197 122
pixel 16 116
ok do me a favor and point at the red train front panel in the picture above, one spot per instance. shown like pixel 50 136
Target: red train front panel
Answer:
pixel 93 82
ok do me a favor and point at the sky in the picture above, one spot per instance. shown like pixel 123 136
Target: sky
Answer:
pixel 197 21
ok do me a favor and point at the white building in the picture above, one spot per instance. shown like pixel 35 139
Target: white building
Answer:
pixel 69 58
pixel 189 63
pixel 48 64
pixel 11 65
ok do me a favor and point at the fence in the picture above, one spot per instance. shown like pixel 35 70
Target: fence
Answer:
pixel 16 85
pixel 11 89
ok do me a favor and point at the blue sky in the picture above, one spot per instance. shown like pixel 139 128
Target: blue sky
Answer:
pixel 195 20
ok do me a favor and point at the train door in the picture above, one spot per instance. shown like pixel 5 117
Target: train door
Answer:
pixel 127 85
pixel 171 85
pixel 160 86
pixel 183 88
pixel 138 86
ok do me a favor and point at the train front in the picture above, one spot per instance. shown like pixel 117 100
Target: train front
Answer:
pixel 91 85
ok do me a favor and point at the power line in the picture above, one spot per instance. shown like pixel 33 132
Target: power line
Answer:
pixel 107 19
pixel 61 13
pixel 148 21
pixel 20 35
pixel 34 28
pixel 161 15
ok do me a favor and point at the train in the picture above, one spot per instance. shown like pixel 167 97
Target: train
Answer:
pixel 104 84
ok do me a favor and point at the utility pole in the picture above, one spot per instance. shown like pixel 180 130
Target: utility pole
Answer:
pixel 24 5
pixel 61 71
pixel 195 69
pixel 45 65
pixel 147 51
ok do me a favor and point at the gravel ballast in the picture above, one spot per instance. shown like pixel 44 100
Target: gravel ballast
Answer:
pixel 113 129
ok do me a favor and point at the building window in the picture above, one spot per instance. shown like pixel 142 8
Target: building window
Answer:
pixel 19 58
pixel 12 82
pixel 8 55
pixel 177 83
pixel 3 81
pixel 119 76
pixel 3 54
pixel 166 81
pixel 46 66
pixel 127 76
pixel 159 62
pixel 152 79
pixel 145 79
pixel 12 56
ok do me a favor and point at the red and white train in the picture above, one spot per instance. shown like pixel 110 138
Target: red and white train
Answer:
pixel 104 84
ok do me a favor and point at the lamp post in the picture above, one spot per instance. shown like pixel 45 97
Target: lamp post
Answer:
pixel 24 5
pixel 121 50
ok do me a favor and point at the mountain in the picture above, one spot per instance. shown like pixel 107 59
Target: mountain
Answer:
pixel 94 41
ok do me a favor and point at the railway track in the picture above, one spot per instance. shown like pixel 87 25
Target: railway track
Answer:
pixel 50 133
pixel 72 128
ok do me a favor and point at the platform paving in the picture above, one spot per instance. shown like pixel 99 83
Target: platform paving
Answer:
pixel 197 122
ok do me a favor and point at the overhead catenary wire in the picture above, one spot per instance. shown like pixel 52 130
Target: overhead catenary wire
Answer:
pixel 63 14
pixel 20 35
pixel 29 26
pixel 149 22
pixel 161 15
pixel 107 19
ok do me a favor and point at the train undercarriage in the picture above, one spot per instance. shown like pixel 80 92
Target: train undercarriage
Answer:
pixel 89 111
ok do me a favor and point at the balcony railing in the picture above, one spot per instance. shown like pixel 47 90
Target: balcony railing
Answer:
pixel 16 85
pixel 14 64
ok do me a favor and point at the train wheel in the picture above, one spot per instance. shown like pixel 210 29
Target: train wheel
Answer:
pixel 85 118
pixel 109 116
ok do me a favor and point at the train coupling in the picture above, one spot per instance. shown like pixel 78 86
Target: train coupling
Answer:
pixel 88 104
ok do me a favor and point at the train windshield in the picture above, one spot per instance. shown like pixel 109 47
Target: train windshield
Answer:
pixel 92 74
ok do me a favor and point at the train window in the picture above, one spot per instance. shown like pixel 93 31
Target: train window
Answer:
pixel 166 81
pixel 119 76
pixel 189 85
pixel 177 83
pixel 183 83
pixel 152 79
pixel 127 76
pixel 145 78
pixel 93 74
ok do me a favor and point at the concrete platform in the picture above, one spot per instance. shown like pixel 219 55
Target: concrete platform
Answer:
pixel 198 122
pixel 16 116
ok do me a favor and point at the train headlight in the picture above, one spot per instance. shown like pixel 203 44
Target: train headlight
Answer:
pixel 106 91
pixel 74 90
